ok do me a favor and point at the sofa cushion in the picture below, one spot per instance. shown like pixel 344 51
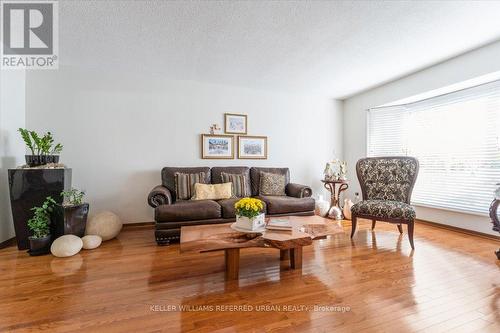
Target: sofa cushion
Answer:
pixel 384 209
pixel 272 184
pixel 212 191
pixel 185 184
pixel 255 176
pixel 228 210
pixel 240 184
pixel 188 210
pixel 285 204
pixel 168 176
pixel 237 170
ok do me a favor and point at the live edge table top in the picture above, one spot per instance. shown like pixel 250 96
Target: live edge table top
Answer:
pixel 214 237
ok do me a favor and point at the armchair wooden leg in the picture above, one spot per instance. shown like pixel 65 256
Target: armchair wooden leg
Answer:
pixel 353 223
pixel 410 233
pixel 400 228
pixel 373 224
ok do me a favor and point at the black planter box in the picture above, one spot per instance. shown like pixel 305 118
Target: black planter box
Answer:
pixel 29 188
pixel 39 246
pixel 36 160
pixel 70 220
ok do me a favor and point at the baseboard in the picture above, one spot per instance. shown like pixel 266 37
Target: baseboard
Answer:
pixel 8 242
pixel 457 229
pixel 138 224
pixel 12 241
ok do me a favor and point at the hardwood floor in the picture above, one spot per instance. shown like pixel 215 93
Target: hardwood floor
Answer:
pixel 451 282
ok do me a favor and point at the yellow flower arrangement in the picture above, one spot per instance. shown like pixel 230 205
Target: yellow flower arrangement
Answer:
pixel 249 207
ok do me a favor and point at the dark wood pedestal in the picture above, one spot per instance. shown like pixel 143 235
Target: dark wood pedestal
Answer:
pixel 29 188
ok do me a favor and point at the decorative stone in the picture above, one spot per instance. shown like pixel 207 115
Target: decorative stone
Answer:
pixel 66 246
pixel 105 224
pixel 91 242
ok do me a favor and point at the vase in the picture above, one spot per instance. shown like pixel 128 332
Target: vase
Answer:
pixel 29 188
pixel 37 160
pixel 251 223
pixel 39 246
pixel 321 206
pixel 347 208
pixel 71 219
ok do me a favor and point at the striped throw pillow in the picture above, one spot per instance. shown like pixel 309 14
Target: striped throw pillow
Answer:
pixel 184 184
pixel 241 187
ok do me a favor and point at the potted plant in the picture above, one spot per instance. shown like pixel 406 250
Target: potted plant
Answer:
pixel 249 214
pixel 70 217
pixel 39 226
pixel 42 148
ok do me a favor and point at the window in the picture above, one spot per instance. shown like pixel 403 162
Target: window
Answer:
pixel 456 140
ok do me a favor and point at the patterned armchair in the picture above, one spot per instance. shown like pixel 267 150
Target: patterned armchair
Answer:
pixel 386 185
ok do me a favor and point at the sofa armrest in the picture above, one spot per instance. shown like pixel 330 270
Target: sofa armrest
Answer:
pixel 159 195
pixel 298 191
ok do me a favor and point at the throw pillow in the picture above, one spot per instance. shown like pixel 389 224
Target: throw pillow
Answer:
pixel 272 184
pixel 212 191
pixel 184 184
pixel 240 184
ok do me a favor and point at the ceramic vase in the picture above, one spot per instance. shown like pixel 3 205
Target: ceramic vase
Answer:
pixel 321 206
pixel 347 208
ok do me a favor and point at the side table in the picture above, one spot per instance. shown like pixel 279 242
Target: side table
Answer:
pixel 335 187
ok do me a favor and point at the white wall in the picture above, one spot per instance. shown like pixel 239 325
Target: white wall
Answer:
pixel 12 116
pixel 119 129
pixel 467 66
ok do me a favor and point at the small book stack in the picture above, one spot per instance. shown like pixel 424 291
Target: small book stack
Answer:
pixel 279 224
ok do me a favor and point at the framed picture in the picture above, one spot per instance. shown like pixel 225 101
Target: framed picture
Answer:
pixel 235 123
pixel 252 147
pixel 217 146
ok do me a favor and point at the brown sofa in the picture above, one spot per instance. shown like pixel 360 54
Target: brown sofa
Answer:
pixel 171 215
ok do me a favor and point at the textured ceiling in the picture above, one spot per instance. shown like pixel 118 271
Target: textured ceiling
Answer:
pixel 335 48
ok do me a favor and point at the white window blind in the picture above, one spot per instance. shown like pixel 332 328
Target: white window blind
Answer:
pixel 456 140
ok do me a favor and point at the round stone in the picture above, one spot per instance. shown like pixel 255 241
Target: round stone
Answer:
pixel 104 224
pixel 91 242
pixel 66 246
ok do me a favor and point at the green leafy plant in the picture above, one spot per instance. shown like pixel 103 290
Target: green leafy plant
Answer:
pixel 40 145
pixel 25 134
pixel 40 222
pixel 57 149
pixel 46 142
pixel 37 141
pixel 73 196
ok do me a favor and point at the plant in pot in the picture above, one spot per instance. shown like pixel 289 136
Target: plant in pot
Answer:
pixel 70 217
pixel 249 216
pixel 39 226
pixel 42 148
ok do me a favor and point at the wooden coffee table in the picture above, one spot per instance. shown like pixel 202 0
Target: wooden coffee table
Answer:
pixel 218 237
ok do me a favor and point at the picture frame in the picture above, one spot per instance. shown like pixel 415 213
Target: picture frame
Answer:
pixel 252 147
pixel 235 123
pixel 217 146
